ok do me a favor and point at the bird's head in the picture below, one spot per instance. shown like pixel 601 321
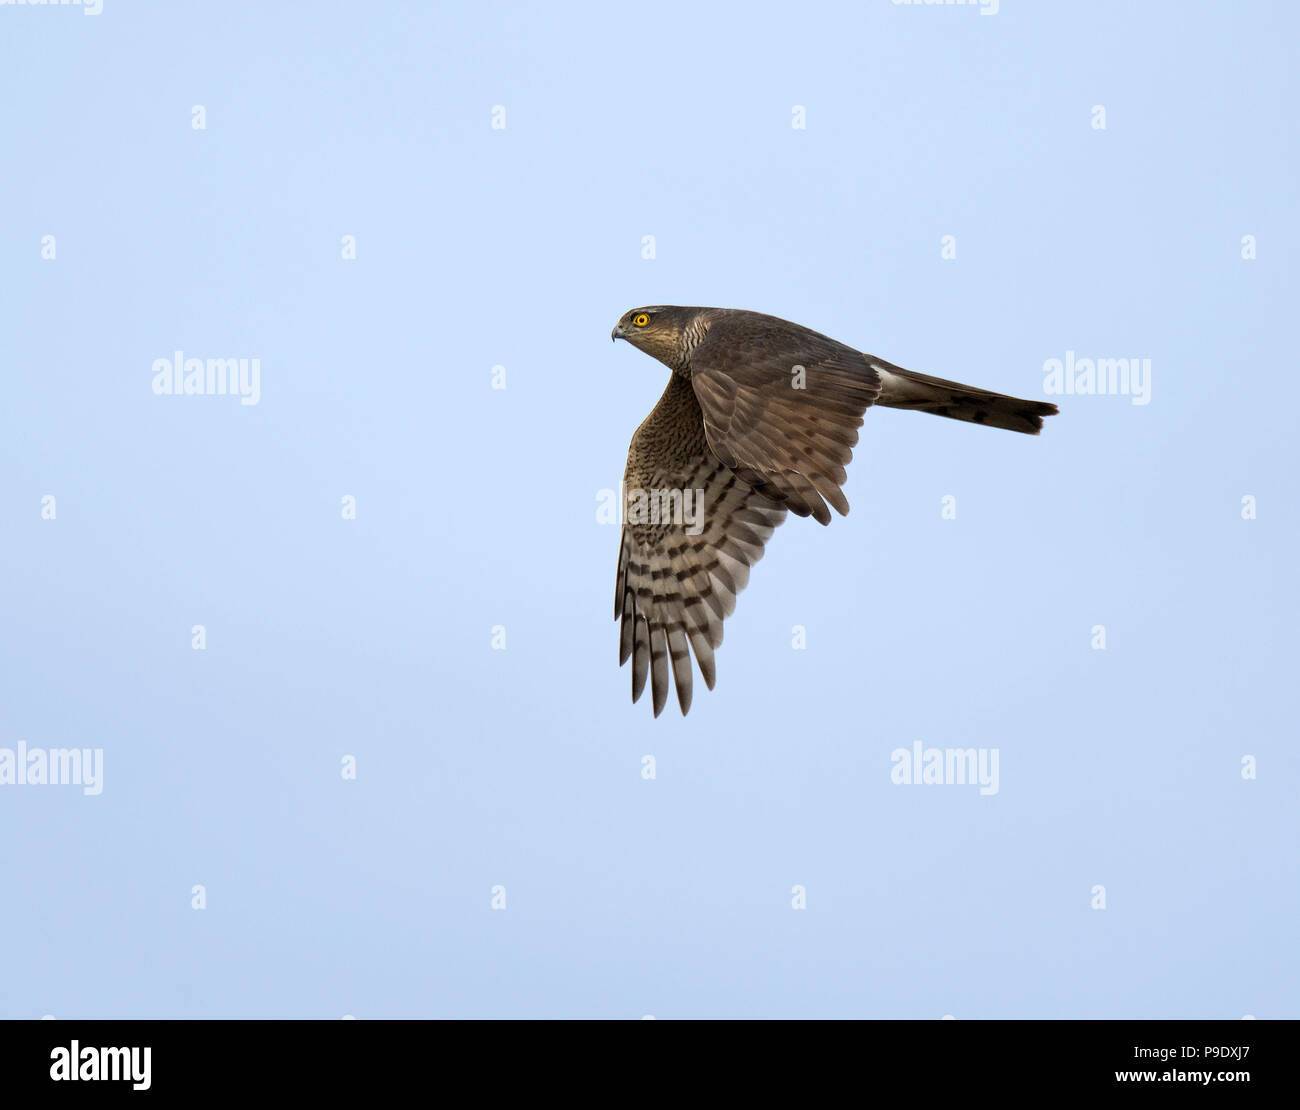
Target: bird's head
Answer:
pixel 656 329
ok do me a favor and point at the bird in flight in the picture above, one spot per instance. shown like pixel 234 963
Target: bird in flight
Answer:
pixel 759 418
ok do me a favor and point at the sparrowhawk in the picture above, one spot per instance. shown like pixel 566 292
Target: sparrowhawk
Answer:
pixel 759 418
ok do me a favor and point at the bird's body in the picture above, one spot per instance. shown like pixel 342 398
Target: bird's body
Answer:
pixel 760 416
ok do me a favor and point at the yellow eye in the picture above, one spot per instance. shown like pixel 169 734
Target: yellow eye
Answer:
pixel 640 319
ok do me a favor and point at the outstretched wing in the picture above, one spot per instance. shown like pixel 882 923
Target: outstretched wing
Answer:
pixel 692 529
pixel 782 406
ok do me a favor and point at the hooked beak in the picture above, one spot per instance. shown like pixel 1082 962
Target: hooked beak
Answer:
pixel 617 333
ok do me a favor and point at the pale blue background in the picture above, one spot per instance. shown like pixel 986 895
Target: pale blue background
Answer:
pixel 478 507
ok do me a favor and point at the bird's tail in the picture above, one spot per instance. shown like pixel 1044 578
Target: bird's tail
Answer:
pixel 905 389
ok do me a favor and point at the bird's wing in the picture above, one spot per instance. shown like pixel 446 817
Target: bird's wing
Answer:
pixel 692 529
pixel 782 407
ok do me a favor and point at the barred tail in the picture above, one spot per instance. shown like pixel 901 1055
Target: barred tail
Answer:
pixel 905 389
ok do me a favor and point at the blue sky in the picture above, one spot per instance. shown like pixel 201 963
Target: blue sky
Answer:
pixel 476 508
